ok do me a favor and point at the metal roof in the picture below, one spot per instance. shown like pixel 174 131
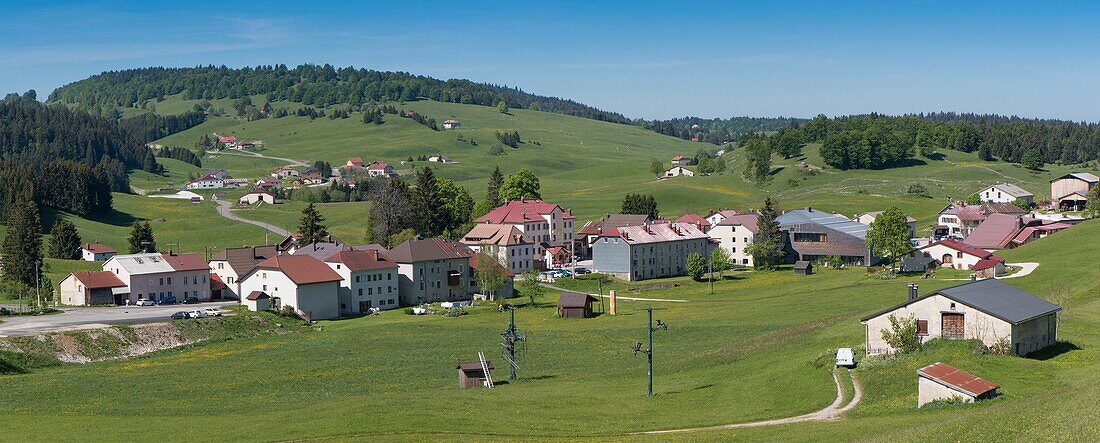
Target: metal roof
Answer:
pixel 1013 190
pixel 991 296
pixel 835 222
pixel 956 379
pixel 136 264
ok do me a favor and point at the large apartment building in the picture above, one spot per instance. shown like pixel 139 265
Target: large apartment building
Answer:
pixel 432 270
pixel 157 276
pixel 648 251
pixel 547 224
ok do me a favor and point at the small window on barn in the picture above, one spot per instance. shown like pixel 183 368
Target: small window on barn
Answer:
pixel 959 254
pixel 922 327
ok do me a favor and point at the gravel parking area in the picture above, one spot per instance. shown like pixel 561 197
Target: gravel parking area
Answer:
pixel 95 317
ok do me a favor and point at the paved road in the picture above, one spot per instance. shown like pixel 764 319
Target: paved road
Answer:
pixel 1026 268
pixel 224 211
pixel 94 317
pixel 830 412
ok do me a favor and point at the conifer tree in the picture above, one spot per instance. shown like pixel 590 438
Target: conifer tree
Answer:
pixel 311 226
pixel 492 193
pixel 22 247
pixel 64 241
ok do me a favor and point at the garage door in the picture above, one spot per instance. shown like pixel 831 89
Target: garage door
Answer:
pixel 952 325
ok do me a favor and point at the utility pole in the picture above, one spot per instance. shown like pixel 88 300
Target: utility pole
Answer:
pixel 649 349
pixel 509 339
pixel 710 270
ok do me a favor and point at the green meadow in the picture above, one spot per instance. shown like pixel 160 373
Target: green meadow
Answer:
pixel 760 347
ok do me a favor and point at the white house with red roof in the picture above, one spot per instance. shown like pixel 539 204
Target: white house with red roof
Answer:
pixel 381 169
pixel 368 280
pixel 734 234
pixel 157 276
pixel 680 160
pixel 356 162
pixel 713 217
pixel 649 251
pixel 302 282
pixel 86 288
pixel 546 224
pixel 508 245
pixel 951 254
pixel 96 252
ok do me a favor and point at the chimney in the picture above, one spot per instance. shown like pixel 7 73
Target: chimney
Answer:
pixel 375 254
pixel 912 292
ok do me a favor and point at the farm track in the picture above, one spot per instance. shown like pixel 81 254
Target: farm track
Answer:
pixel 831 412
pixel 224 211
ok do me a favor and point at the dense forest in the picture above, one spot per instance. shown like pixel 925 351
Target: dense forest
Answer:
pixel 62 158
pixel 876 141
pixel 150 126
pixel 308 84
pixel 716 130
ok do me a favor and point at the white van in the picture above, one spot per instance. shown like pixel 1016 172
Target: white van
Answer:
pixel 844 358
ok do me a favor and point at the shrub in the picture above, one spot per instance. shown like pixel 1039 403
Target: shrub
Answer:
pixel 1001 347
pixel 917 189
pixel 902 335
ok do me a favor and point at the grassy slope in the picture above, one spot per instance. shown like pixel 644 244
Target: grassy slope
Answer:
pixel 758 348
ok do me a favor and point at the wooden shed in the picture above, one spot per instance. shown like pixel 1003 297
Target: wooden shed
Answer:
pixel 575 305
pixel 803 268
pixel 939 381
pixel 471 375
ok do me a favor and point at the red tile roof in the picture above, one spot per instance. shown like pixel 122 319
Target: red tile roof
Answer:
pixel 374 166
pixel 364 260
pixel 522 211
pixel 186 262
pixel 98 279
pixel 256 295
pixel 434 248
pixel 995 232
pixel 97 248
pixel 749 221
pixel 216 282
pixel 678 158
pixel 987 263
pixel 656 233
pixel 300 269
pixel 693 218
pixel 961 247
pixel 956 379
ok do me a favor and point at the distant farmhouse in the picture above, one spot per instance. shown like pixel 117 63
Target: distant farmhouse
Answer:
pixel 1006 193
pixel 1070 192
pixel 678 171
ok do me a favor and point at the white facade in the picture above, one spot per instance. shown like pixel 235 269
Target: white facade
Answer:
pixel 918 260
pixel 150 276
pixel 678 171
pixel 316 301
pixel 735 239
pixel 1002 193
pixel 365 289
pixel 256 197
pixel 431 281
pixel 206 183
pixel 516 258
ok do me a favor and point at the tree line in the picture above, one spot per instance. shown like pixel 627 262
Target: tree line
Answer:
pixel 315 85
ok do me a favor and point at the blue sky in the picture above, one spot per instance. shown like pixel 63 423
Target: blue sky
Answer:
pixel 643 59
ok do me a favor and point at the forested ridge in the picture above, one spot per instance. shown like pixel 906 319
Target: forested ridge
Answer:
pixel 63 158
pixel 307 84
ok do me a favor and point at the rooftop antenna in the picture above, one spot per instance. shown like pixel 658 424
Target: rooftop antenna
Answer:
pixel 637 347
pixel 508 340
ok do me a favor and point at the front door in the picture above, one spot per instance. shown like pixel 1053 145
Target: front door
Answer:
pixel 364 306
pixel 952 325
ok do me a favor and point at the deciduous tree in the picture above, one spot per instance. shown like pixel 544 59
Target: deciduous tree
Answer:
pixel 521 184
pixel 889 234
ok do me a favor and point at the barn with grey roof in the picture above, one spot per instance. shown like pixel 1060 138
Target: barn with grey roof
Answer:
pixel 989 310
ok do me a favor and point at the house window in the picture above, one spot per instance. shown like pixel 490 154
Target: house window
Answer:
pixel 360 291
pixel 922 327
pixel 959 254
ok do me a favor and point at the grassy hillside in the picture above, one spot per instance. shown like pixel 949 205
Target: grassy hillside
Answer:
pixel 588 165
pixel 757 348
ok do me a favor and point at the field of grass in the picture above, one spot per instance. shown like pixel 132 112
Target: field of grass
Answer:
pixel 760 347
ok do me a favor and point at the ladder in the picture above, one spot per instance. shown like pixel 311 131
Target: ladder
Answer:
pixel 485 368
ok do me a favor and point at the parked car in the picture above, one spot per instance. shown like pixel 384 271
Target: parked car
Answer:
pixel 562 273
pixel 582 271
pixel 145 302
pixel 845 358
pixel 190 300
pixel 169 300
pixel 180 315
pixel 213 312
pixel 196 314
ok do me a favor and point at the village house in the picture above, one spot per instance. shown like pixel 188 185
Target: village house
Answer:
pixel 310 175
pixel 546 224
pixel 591 231
pixel 650 251
pixel 1005 231
pixel 440 159
pixel 369 280
pixel 942 382
pixel 87 288
pixel 867 218
pixel 284 172
pixel 206 182
pixel 959 219
pixel 257 195
pixel 713 217
pixel 989 311
pixel 952 254
pixel 381 169
pixel 814 235
pixel 96 252
pixel 678 171
pixel 157 276
pixel 432 270
pixel 505 243
pixel 232 264
pixel 355 162
pixel 304 283
pixel 268 183
pixel 680 160
pixel 734 234
pixel 1070 192
pixel 451 124
pixel 1006 193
